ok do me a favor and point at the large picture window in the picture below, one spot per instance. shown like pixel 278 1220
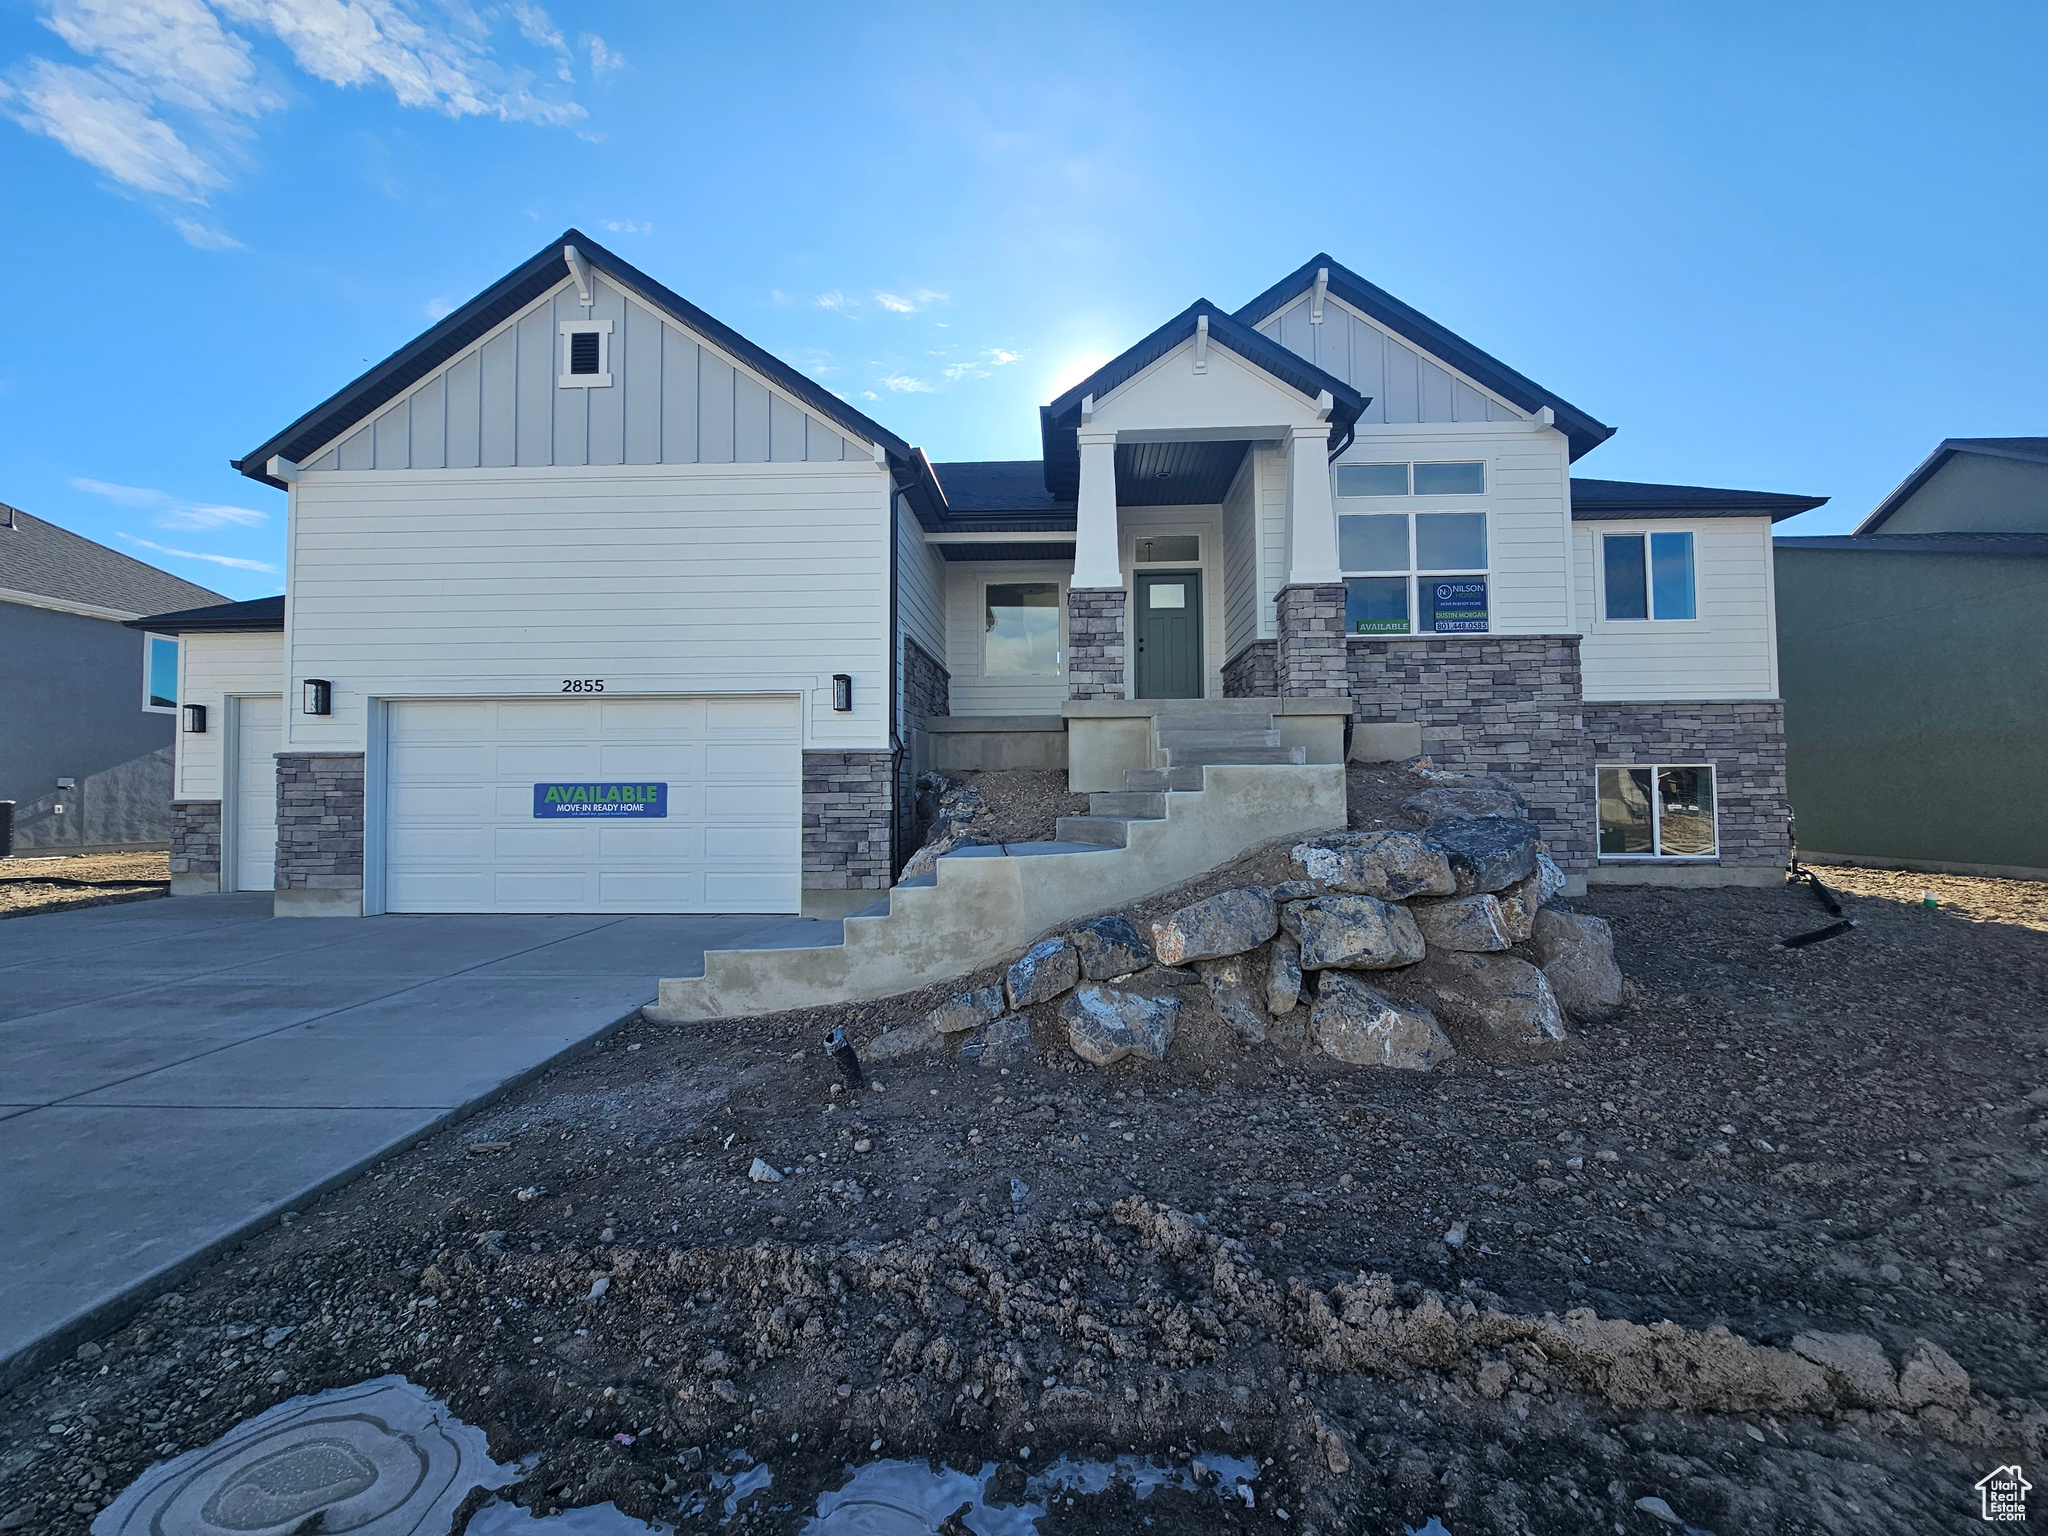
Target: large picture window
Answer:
pixel 1414 572
pixel 1657 811
pixel 160 674
pixel 1021 633
pixel 1648 575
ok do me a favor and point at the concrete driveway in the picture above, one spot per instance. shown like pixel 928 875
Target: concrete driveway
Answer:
pixel 173 1074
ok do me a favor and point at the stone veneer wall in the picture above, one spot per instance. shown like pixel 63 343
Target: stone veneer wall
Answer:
pixel 320 821
pixel 1745 741
pixel 1254 672
pixel 927 686
pixel 849 821
pixel 1505 704
pixel 195 838
pixel 1095 642
pixel 1312 659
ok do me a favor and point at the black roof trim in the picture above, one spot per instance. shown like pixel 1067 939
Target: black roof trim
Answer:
pixel 1985 545
pixel 497 304
pixel 1058 422
pixel 1596 500
pixel 1582 431
pixel 258 613
pixel 2032 449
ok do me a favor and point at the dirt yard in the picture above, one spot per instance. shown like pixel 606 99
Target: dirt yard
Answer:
pixel 1243 1250
pixel 30 884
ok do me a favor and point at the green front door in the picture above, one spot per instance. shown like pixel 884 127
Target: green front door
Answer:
pixel 1168 634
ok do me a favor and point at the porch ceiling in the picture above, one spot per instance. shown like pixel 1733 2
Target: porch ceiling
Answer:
pixel 1175 474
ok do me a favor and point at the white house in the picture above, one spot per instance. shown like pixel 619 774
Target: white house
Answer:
pixel 592 605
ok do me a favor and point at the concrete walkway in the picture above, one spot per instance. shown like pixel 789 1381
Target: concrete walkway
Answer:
pixel 174 1074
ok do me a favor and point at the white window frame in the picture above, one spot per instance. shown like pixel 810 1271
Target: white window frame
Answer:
pixel 177 674
pixel 1411 465
pixel 1656 855
pixel 602 379
pixel 1643 531
pixel 1415 575
pixel 1059 650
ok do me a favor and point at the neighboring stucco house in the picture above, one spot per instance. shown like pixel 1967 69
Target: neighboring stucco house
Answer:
pixel 90 707
pixel 1915 662
pixel 594 605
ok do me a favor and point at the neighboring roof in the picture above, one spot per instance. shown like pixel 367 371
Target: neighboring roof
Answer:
pixel 497 304
pixel 1581 430
pixel 1012 486
pixel 259 613
pixel 2032 449
pixel 1058 422
pixel 1996 545
pixel 1594 500
pixel 40 560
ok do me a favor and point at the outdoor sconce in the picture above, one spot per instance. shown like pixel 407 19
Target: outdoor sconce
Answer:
pixel 195 719
pixel 319 696
pixel 842 693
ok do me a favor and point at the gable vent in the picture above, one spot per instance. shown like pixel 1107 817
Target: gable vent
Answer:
pixel 583 352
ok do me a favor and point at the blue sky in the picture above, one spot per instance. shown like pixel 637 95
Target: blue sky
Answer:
pixel 1787 247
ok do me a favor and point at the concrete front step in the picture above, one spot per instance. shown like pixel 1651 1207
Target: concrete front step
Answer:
pixel 1129 804
pixel 1103 831
pixel 1208 735
pixel 1156 780
pixel 986 904
pixel 1192 757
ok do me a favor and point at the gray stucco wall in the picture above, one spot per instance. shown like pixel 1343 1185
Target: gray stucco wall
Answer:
pixel 1916 704
pixel 71 707
pixel 1977 493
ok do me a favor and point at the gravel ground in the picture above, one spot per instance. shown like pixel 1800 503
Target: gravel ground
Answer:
pixel 1241 1250
pixel 1021 805
pixel 25 887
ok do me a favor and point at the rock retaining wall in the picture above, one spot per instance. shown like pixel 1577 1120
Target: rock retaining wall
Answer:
pixel 1311 657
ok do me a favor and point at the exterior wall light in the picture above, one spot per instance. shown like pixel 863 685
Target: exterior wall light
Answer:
pixel 842 693
pixel 195 719
pixel 319 696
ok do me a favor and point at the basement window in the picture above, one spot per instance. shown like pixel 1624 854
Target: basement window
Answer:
pixel 1657 811
pixel 586 354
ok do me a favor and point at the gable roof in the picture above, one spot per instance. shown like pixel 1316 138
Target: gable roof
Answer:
pixel 1582 432
pixel 1058 422
pixel 258 613
pixel 2031 449
pixel 40 560
pixel 1594 500
pixel 365 396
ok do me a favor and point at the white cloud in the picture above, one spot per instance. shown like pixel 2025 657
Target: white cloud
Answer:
pixel 835 300
pixel 894 305
pixel 900 304
pixel 959 371
pixel 107 123
pixel 996 356
pixel 538 28
pixel 603 58
pixel 173 511
pixel 904 384
pixel 439 308
pixel 869 394
pixel 629 226
pixel 177 49
pixel 232 562
pixel 206 237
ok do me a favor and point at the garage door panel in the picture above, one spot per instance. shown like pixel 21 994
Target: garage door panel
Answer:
pixel 462 835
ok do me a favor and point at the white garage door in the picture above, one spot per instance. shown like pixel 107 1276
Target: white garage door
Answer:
pixel 594 805
pixel 259 733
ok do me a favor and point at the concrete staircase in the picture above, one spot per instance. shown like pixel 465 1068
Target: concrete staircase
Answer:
pixel 1222 781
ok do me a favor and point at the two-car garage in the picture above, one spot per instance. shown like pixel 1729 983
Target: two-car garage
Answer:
pixel 593 804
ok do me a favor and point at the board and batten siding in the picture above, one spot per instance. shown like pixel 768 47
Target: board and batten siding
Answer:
pixel 1729 652
pixel 966 612
pixel 674 399
pixel 1242 589
pixel 727 578
pixel 920 585
pixel 1404 383
pixel 211 668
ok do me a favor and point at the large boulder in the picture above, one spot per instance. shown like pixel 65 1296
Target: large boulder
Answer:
pixel 1003 1042
pixel 1110 946
pixel 1358 933
pixel 918 1039
pixel 1227 981
pixel 1045 970
pixel 1106 1024
pixel 1496 1004
pixel 1577 955
pixel 1390 865
pixel 1486 853
pixel 1228 924
pixel 1474 923
pixel 1931 1377
pixel 1283 974
pixel 967 1010
pixel 1856 1367
pixel 1362 1025
pixel 1430 806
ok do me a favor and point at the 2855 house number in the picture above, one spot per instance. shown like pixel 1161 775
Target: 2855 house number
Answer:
pixel 583 685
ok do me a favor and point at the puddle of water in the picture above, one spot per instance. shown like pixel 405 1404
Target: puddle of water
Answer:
pixel 381 1458
pixel 590 1520
pixel 1145 1475
pixel 907 1498
pixel 738 1487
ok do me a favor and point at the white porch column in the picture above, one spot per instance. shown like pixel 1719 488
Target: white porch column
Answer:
pixel 1311 513
pixel 1095 551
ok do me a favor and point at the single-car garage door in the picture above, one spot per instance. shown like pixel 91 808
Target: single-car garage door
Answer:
pixel 593 805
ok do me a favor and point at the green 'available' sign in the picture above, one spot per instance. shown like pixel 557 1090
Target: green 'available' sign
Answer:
pixel 607 801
